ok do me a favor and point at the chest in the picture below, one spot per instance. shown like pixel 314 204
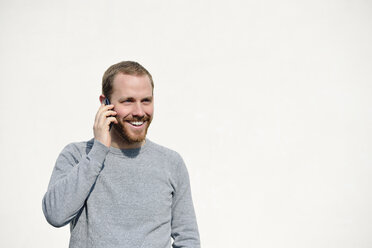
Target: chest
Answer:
pixel 132 189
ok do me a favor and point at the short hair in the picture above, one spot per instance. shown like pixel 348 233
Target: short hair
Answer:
pixel 126 67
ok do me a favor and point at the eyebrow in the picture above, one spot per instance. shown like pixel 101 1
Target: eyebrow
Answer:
pixel 132 98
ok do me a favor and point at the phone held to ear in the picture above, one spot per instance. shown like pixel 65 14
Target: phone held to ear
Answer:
pixel 107 102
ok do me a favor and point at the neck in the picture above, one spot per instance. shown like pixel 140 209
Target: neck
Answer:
pixel 119 142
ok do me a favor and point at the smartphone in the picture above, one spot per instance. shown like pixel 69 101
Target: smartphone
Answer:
pixel 107 102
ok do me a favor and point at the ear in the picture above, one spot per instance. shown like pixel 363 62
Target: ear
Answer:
pixel 102 98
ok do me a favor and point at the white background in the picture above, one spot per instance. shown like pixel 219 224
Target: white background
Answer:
pixel 269 103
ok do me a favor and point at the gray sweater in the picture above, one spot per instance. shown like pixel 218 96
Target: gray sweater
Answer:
pixel 135 198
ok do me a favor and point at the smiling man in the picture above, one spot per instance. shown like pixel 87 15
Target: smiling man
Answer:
pixel 132 97
pixel 120 189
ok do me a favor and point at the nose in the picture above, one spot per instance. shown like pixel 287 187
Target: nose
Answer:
pixel 138 110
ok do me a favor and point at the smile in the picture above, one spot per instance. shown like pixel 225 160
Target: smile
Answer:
pixel 136 123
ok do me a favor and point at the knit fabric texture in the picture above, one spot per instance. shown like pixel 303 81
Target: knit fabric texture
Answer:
pixel 135 198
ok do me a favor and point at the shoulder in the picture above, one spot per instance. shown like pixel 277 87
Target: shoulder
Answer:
pixel 76 150
pixel 171 161
pixel 79 146
pixel 164 152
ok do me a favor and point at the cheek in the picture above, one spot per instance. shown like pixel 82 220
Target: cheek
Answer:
pixel 121 112
pixel 149 110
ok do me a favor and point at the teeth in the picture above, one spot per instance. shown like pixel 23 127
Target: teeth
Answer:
pixel 137 123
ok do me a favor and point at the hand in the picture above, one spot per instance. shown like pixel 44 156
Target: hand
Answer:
pixel 101 128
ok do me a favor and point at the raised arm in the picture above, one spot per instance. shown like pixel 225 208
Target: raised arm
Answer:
pixel 72 180
pixel 76 171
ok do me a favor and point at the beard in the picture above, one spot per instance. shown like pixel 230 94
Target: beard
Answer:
pixel 130 135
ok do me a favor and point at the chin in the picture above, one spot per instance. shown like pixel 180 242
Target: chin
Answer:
pixel 135 139
pixel 129 136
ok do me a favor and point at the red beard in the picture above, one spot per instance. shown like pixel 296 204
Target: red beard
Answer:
pixel 129 134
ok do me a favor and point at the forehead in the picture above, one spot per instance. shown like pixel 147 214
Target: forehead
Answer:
pixel 130 85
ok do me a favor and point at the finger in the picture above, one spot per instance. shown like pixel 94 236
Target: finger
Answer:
pixel 102 111
pixel 103 116
pixel 104 108
pixel 99 111
pixel 110 106
pixel 109 112
pixel 110 120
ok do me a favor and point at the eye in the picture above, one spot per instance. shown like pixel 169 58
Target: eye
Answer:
pixel 146 100
pixel 127 100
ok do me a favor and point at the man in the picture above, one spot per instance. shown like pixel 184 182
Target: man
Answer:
pixel 120 189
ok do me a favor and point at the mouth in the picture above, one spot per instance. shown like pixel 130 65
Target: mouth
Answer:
pixel 136 124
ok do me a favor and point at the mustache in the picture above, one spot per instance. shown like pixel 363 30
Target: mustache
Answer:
pixel 137 118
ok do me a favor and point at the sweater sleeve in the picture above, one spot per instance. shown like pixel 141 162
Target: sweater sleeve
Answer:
pixel 184 226
pixel 72 180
